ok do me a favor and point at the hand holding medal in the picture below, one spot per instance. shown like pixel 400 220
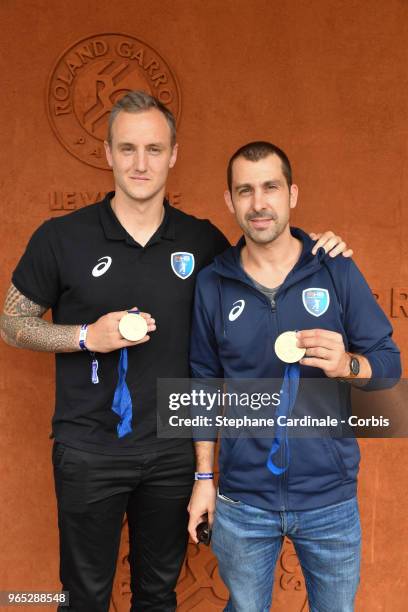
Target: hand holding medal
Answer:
pixel 105 335
pixel 325 349
pixel 133 326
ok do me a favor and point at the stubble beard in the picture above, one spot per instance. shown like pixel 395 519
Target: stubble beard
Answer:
pixel 264 236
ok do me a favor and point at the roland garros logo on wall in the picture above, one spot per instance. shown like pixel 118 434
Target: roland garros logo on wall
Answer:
pixel 90 77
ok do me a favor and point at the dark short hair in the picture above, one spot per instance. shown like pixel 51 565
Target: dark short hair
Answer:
pixel 254 151
pixel 137 102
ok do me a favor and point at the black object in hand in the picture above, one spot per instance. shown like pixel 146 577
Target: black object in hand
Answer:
pixel 203 532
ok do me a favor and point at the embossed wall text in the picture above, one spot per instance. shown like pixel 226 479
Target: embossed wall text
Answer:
pixel 394 301
pixel 90 77
pixel 71 200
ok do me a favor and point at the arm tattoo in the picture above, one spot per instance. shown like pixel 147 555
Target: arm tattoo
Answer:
pixel 21 325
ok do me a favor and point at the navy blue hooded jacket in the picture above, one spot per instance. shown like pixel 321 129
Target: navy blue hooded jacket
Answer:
pixel 322 470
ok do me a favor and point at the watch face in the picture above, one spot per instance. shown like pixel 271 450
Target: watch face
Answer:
pixel 355 366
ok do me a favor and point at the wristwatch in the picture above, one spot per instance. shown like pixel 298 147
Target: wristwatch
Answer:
pixel 354 366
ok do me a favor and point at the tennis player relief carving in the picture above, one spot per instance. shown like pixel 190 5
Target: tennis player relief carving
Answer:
pixel 90 77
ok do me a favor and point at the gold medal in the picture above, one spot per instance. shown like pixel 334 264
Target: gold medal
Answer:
pixel 133 326
pixel 286 349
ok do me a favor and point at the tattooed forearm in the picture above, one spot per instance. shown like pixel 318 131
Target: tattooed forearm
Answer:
pixel 21 325
pixel 39 335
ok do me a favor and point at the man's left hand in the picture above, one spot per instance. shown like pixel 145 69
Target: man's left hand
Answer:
pixel 325 350
pixel 332 244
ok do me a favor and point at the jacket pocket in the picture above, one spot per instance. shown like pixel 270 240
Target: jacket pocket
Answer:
pixel 320 463
pixel 227 500
pixel 335 454
pixel 58 455
pixel 229 452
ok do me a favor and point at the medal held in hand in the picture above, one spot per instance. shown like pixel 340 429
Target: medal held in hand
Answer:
pixel 133 326
pixel 286 349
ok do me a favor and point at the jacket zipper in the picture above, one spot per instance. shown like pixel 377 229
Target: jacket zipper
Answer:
pixel 282 482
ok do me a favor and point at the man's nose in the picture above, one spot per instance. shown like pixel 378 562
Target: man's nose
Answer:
pixel 258 201
pixel 140 161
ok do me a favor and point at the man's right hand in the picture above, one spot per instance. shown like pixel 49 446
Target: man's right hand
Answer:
pixel 103 336
pixel 202 502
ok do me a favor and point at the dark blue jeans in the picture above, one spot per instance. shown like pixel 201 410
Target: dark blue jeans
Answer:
pixel 247 542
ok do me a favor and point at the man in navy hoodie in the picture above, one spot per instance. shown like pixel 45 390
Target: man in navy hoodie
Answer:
pixel 269 283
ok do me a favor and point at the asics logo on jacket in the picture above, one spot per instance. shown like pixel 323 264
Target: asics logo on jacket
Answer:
pixel 103 266
pixel 239 306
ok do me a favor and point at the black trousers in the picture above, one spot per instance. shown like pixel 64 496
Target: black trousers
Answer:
pixel 94 492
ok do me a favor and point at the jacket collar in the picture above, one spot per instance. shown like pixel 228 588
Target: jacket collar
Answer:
pixel 228 264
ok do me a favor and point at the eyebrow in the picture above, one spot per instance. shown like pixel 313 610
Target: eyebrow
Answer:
pixel 278 182
pixel 150 144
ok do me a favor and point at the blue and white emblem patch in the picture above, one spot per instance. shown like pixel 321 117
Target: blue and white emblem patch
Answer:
pixel 316 300
pixel 182 264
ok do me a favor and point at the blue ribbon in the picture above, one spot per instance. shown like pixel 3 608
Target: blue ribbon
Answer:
pixel 122 402
pixel 288 394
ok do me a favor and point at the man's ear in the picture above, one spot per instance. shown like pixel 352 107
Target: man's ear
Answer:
pixel 173 157
pixel 108 152
pixel 228 201
pixel 293 196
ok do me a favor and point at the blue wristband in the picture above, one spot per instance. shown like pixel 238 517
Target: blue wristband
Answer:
pixel 204 476
pixel 82 345
pixel 82 337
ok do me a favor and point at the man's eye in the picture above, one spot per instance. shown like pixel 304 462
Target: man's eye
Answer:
pixel 271 187
pixel 155 150
pixel 243 191
pixel 126 149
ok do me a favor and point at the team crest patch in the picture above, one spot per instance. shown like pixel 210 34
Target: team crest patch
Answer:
pixel 316 300
pixel 182 264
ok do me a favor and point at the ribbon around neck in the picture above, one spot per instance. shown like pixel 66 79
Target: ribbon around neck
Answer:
pixel 122 401
pixel 288 394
